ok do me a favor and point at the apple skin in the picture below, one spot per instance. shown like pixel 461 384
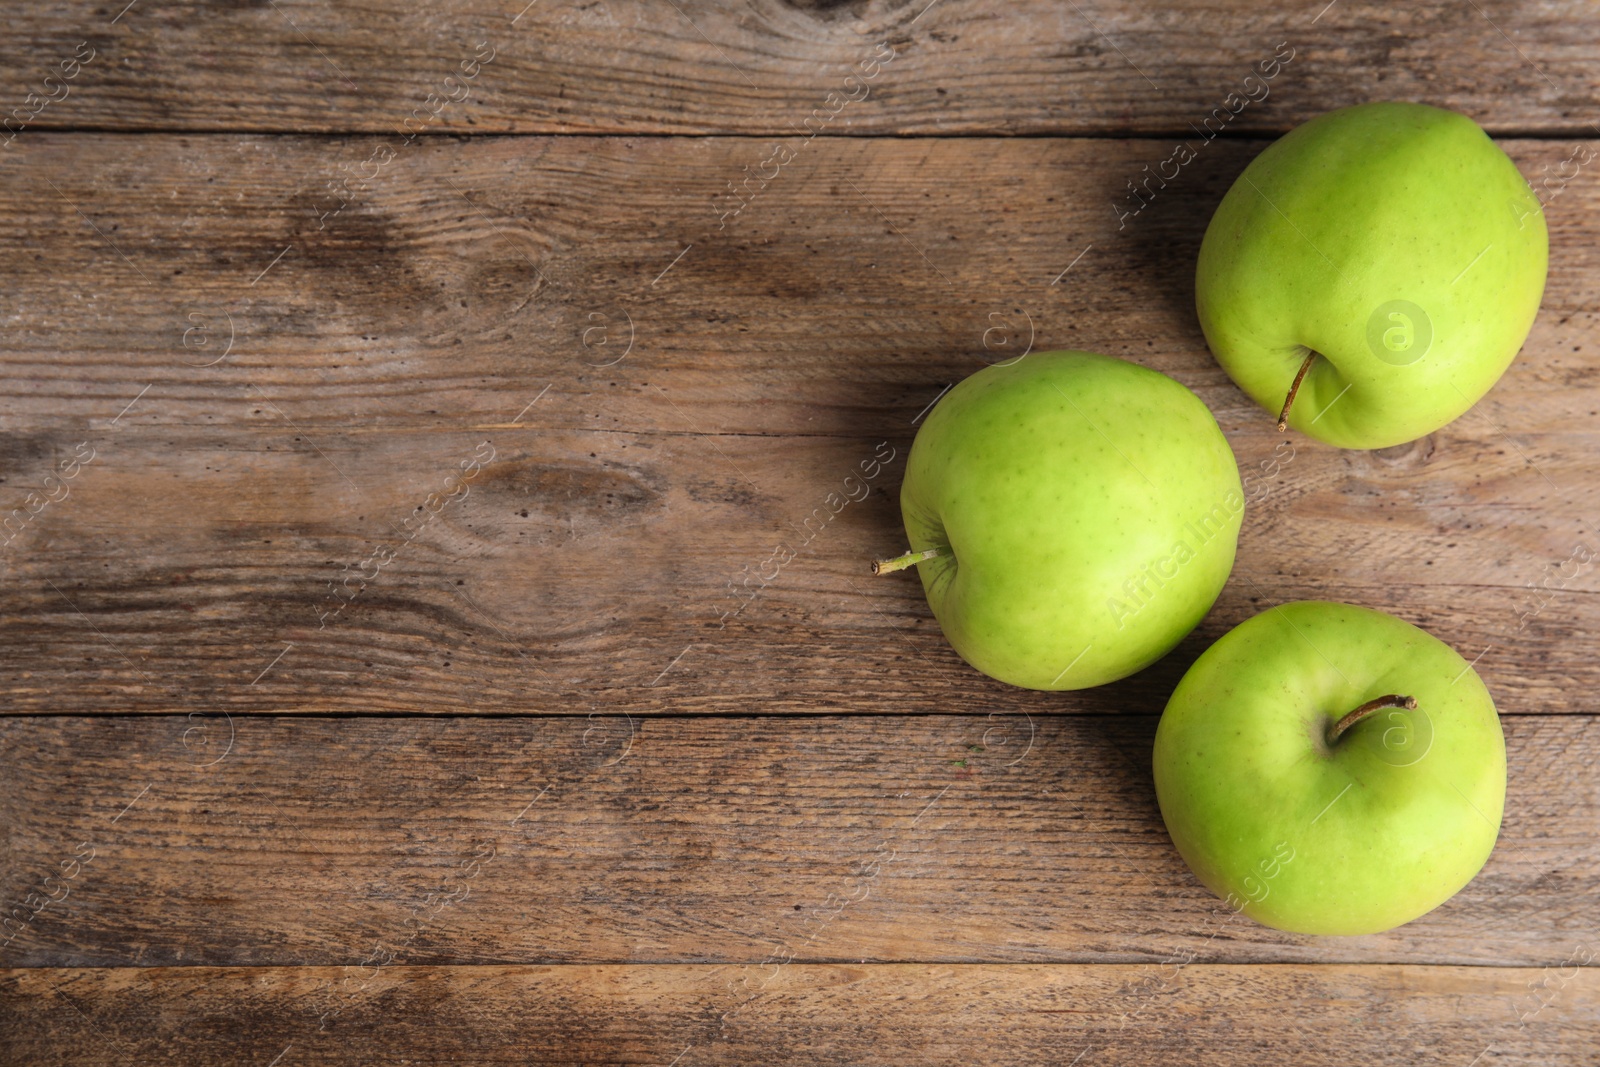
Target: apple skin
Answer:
pixel 1355 840
pixel 1089 508
pixel 1343 218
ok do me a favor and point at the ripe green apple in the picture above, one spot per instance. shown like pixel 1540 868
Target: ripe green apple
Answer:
pixel 1299 785
pixel 1072 517
pixel 1394 241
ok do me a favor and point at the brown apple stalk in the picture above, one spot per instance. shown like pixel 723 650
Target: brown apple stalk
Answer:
pixel 1393 700
pixel 1283 416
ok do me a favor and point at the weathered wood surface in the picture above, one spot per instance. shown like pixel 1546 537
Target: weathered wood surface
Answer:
pixel 392 662
pixel 319 841
pixel 615 550
pixel 766 66
pixel 805 1014
pixel 451 288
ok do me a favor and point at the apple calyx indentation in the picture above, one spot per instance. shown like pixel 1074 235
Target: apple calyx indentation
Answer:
pixel 900 563
pixel 1283 416
pixel 1391 700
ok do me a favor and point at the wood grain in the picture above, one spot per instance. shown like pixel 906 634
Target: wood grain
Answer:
pixel 222 547
pixel 394 661
pixel 804 1014
pixel 315 841
pixel 766 66
pixel 468 275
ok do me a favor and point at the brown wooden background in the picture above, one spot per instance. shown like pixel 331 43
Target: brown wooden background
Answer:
pixel 333 750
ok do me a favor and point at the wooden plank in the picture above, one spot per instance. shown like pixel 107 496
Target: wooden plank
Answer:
pixel 634 573
pixel 616 553
pixel 813 1014
pixel 315 841
pixel 771 66
pixel 220 273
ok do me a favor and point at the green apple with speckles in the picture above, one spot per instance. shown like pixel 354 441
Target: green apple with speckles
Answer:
pixel 1373 273
pixel 1330 769
pixel 1072 516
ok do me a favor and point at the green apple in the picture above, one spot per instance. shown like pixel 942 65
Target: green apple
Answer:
pixel 1072 517
pixel 1390 252
pixel 1329 769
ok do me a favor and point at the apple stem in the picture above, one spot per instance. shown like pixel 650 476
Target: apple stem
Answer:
pixel 900 563
pixel 1393 700
pixel 1283 416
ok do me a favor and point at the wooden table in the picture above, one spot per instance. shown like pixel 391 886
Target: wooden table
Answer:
pixel 410 413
